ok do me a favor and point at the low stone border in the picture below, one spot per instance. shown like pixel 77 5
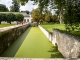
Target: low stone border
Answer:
pixel 49 35
pixel 10 27
pixel 10 58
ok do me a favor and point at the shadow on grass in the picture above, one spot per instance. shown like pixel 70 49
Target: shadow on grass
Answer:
pixel 55 52
pixel 13 48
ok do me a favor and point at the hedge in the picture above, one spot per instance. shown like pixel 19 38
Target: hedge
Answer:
pixel 19 17
pixel 11 17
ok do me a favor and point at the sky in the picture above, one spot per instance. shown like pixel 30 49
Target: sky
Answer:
pixel 28 6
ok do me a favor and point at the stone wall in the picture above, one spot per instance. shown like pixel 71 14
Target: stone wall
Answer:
pixel 10 34
pixel 49 35
pixel 67 44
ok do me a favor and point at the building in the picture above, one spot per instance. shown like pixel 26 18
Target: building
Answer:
pixel 27 17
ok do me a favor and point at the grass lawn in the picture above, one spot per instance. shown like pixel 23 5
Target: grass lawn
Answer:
pixel 36 45
pixel 6 25
pixel 49 27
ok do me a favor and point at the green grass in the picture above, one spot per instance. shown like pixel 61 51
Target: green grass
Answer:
pixel 36 45
pixel 49 27
pixel 6 25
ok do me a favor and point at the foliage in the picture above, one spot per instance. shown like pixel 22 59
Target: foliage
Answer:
pixel 67 10
pixel 2 17
pixel 36 15
pixel 3 8
pixel 48 16
pixel 27 12
pixel 55 18
pixel 19 17
pixel 72 16
pixel 15 7
pixel 10 17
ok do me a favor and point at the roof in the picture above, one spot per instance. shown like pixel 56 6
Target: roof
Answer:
pixel 23 13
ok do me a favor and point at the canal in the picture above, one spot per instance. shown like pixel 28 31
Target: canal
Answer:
pixel 32 44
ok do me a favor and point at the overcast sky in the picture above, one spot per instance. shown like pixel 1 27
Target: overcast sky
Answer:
pixel 29 6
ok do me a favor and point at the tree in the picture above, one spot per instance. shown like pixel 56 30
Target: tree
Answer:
pixel 10 17
pixel 55 18
pixel 68 10
pixel 48 16
pixel 36 15
pixel 19 17
pixel 60 4
pixel 3 8
pixel 57 4
pixel 27 12
pixel 7 17
pixel 15 7
pixel 72 16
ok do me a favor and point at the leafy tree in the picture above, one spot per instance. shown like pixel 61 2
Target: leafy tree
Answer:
pixel 7 17
pixel 60 4
pixel 15 7
pixel 67 9
pixel 55 18
pixel 3 8
pixel 48 16
pixel 36 15
pixel 53 4
pixel 27 12
pixel 19 17
pixel 10 17
pixel 3 17
pixel 72 16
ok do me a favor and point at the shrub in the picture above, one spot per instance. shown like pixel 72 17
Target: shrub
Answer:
pixel 2 17
pixel 7 17
pixel 10 17
pixel 19 17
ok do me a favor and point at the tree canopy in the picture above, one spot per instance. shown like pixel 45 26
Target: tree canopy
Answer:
pixel 48 16
pixel 19 17
pixel 15 7
pixel 3 8
pixel 68 11
pixel 36 15
pixel 11 17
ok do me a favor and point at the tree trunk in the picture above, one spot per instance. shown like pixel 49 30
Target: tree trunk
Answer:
pixel 60 18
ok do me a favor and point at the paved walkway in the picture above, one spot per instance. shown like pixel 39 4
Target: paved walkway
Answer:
pixel 10 27
pixel 34 45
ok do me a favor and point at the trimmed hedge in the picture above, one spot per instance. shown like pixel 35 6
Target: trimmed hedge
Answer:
pixel 9 36
pixel 19 17
pixel 11 17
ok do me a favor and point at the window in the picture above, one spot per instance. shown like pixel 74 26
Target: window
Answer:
pixel 24 20
pixel 27 20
